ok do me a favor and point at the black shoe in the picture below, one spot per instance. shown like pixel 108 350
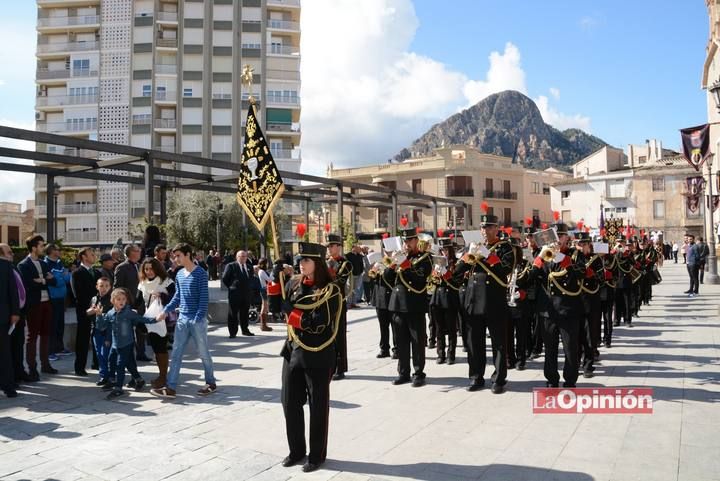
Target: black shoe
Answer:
pixel 114 394
pixel 291 460
pixel 383 354
pixel 139 384
pixel 131 384
pixel 418 382
pixel 688 292
pixel 511 365
pixel 401 380
pixel 33 376
pixel 102 382
pixel 521 366
pixel 535 355
pixel 451 359
pixel 440 360
pixel 310 467
pixel 588 374
pixel 431 345
pixel 551 384
pixel 476 385
pixel 49 370
pixel 247 333
pixel 10 392
pixel 616 324
pixel 233 336
pixel 338 376
pixel 607 344
pixel 394 355
pixel 142 358
pixel 109 386
pixel 82 373
pixel 596 357
pixel 497 388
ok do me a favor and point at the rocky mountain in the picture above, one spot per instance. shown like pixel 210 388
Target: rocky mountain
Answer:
pixel 508 123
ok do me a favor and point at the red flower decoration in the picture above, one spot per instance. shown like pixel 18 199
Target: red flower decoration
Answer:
pixel 602 232
pixel 301 229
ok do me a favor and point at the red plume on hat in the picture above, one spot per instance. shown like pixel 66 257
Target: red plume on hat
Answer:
pixel 544 225
pixel 484 207
pixel 327 227
pixel 418 230
pixel 301 229
pixel 385 235
pixel 556 215
pixel 440 232
pixel 452 236
pixel 580 224
pixel 403 221
pixel 528 221
pixel 602 232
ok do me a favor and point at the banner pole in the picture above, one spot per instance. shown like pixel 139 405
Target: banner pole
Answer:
pixel 276 245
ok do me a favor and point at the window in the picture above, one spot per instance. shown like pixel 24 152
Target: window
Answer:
pixel 383 217
pixel 489 185
pixel 535 187
pixel 147 90
pixel 456 216
pixel 187 92
pixel 417 217
pixel 459 186
pixel 564 194
pixel 507 216
pixel 506 187
pixel 546 189
pixel 81 65
pixel 658 209
pixel 642 159
pixel 417 186
pixel 536 213
pixel 390 184
pixel 658 184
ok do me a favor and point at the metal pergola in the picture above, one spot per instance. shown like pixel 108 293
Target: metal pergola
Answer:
pixel 103 161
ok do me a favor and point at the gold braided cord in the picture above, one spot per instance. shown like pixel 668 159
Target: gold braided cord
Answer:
pixel 293 336
pixel 553 278
pixel 493 275
pixel 409 287
pixel 589 291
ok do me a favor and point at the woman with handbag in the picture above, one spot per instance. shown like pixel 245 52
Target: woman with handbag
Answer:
pixel 156 289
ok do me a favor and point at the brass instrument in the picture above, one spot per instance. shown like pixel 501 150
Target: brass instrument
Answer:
pixel 475 252
pixel 513 291
pixel 547 238
pixel 425 242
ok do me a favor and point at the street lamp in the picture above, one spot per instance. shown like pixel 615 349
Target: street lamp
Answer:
pixel 217 225
pixel 712 277
pixel 715 92
pixel 56 193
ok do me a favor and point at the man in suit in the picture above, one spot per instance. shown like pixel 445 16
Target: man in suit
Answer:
pixel 126 275
pixel 237 278
pixel 83 286
pixel 36 278
pixel 9 316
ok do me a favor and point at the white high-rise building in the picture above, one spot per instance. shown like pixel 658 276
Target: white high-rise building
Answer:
pixel 161 74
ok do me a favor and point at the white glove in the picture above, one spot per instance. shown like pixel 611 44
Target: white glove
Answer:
pixel 559 257
pixel 400 258
pixel 484 251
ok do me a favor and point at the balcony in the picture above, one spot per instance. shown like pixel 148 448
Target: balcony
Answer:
pixel 62 100
pixel 165 123
pixel 138 208
pixel 284 50
pixel 285 154
pixel 82 20
pixel 78 236
pixel 283 74
pixel 166 42
pixel 499 194
pixel 46 48
pixel 274 127
pixel 166 69
pixel 283 25
pixel 273 98
pixel 167 17
pixel 165 148
pixel 461 193
pixel 283 3
pixel 47 74
pixel 63 182
pixel 67 126
pixel 69 209
pixel 166 96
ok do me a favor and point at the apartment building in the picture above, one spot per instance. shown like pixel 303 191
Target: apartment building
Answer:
pixel 15 224
pixel 160 74
pixel 511 191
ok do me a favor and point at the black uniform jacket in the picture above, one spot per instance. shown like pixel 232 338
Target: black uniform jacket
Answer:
pixel 409 281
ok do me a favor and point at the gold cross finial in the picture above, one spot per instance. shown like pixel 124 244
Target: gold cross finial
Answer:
pixel 247 80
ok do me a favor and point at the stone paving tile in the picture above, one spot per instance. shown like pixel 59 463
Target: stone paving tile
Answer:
pixel 63 428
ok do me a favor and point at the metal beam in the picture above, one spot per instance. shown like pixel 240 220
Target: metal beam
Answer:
pixel 163 205
pixel 51 221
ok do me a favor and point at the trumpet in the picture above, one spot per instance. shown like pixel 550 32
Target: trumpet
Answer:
pixel 475 252
pixel 425 242
pixel 377 270
pixel 396 258
pixel 548 252
pixel 513 291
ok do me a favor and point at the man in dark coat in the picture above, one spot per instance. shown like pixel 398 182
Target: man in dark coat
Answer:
pixel 83 286
pixel 9 316
pixel 238 278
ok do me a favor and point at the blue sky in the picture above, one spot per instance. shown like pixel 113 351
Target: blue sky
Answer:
pixel 634 67
pixel 376 74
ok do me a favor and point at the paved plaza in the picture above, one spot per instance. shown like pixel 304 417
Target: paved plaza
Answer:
pixel 63 429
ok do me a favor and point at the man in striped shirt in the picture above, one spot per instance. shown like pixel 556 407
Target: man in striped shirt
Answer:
pixel 191 296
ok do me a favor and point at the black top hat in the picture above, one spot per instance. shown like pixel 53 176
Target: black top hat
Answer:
pixel 334 239
pixel 445 242
pixel 582 237
pixel 560 228
pixel 408 233
pixel 309 249
pixel 105 257
pixel 488 220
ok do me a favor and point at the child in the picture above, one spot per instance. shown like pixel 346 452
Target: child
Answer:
pixel 121 319
pixel 101 338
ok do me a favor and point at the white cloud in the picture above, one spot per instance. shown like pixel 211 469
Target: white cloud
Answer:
pixel 505 73
pixel 366 95
pixel 17 186
pixel 559 120
pixel 555 92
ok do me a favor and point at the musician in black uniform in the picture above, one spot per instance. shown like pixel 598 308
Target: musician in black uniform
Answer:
pixel 649 259
pixel 381 300
pixel 313 304
pixel 638 275
pixel 590 325
pixel 536 346
pixel 522 312
pixel 408 304
pixel 560 276
pixel 341 272
pixel 607 294
pixel 623 287
pixel 486 273
pixel 444 303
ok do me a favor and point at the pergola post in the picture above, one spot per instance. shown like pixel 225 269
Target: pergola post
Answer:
pixel 340 209
pixel 51 220
pixel 149 190
pixel 163 205
pixel 465 216
pixel 435 220
pixel 394 216
pixel 307 217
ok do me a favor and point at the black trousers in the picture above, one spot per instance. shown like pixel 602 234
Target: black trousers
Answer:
pixel 537 332
pixel 238 315
pixel 446 330
pixel 693 271
pixel 496 323
pixel 298 386
pixel 385 321
pixel 567 328
pixel 82 340
pixel 623 305
pixel 341 366
pixel 519 334
pixel 463 321
pixel 7 374
pixel 410 333
pixel 701 271
pixel 606 307
pixel 17 349
pixel 432 327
